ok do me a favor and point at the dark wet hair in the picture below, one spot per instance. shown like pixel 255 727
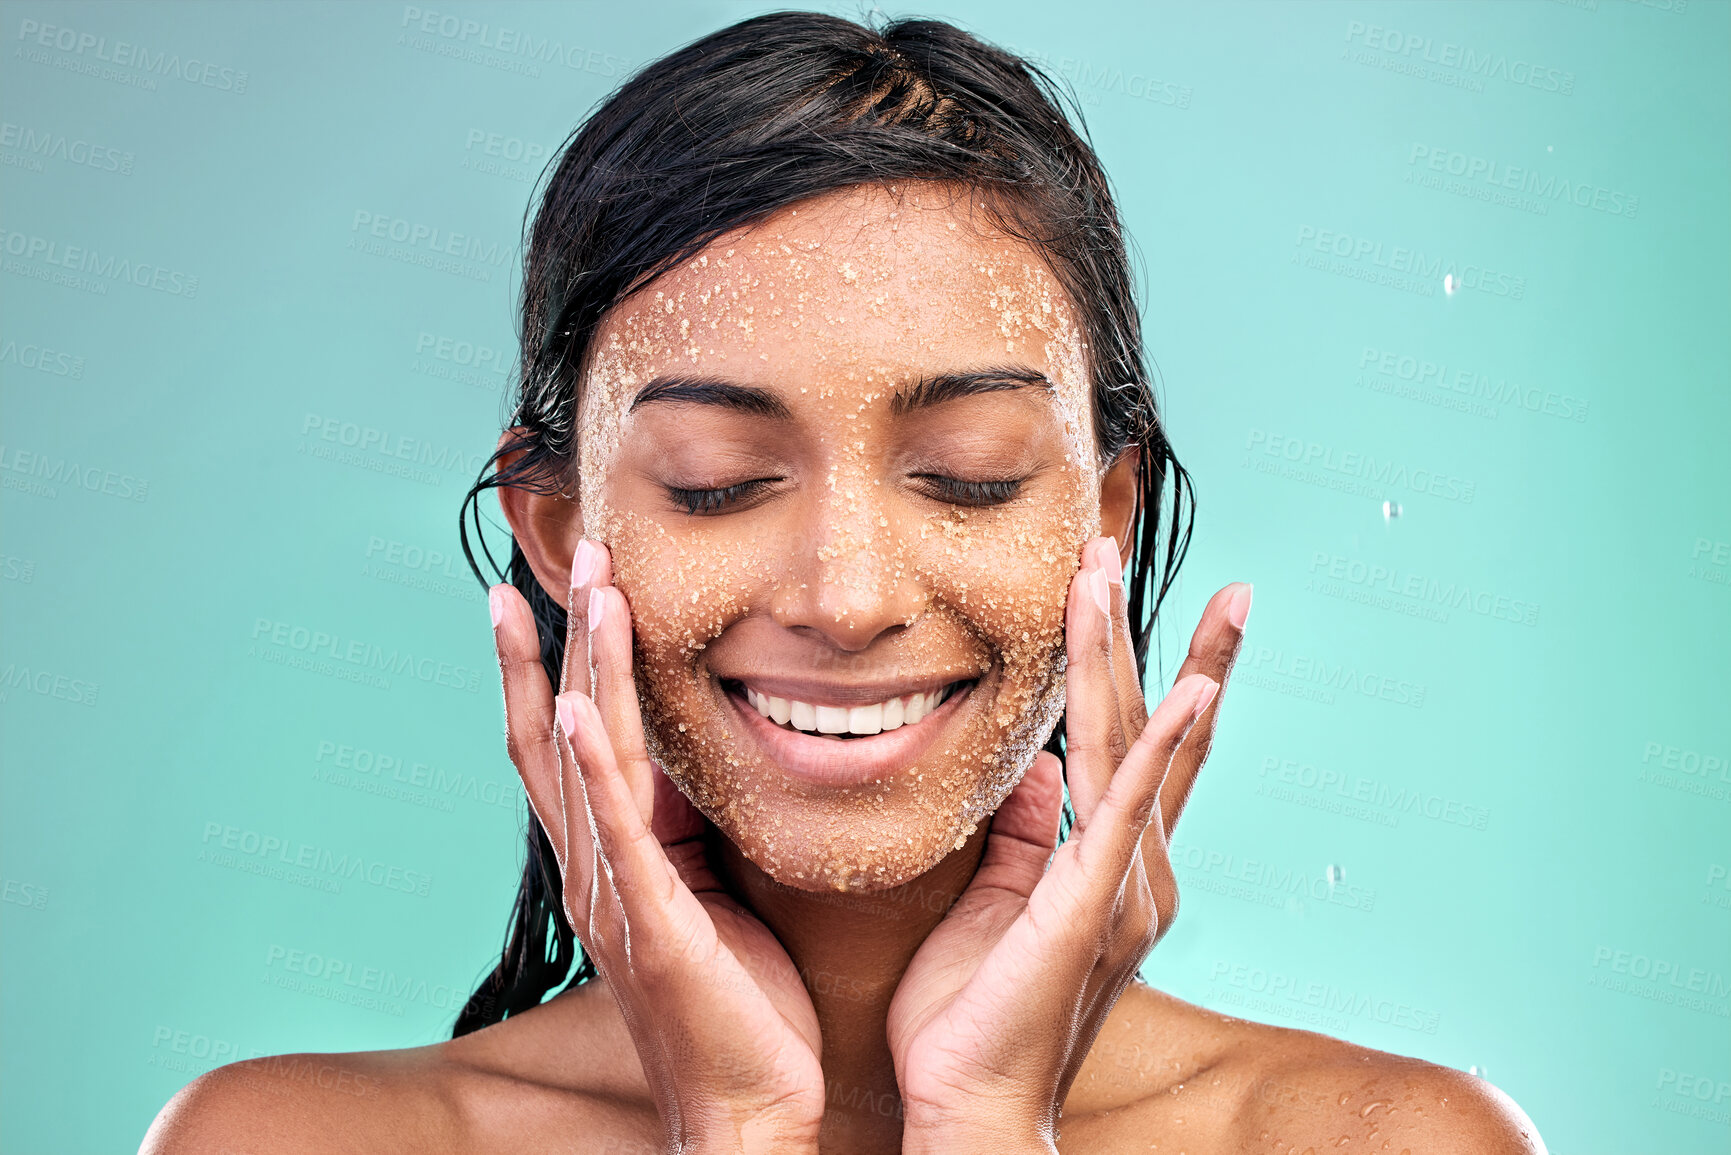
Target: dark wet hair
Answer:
pixel 719 135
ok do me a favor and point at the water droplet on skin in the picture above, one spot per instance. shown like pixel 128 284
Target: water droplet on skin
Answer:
pixel 1371 1106
pixel 1343 1098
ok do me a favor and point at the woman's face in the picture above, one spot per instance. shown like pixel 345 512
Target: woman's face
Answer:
pixel 845 465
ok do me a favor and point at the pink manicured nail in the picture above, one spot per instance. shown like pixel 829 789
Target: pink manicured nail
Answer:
pixel 1238 611
pixel 1097 585
pixel 567 717
pixel 1203 699
pixel 495 605
pixel 597 608
pixel 585 562
pixel 1111 562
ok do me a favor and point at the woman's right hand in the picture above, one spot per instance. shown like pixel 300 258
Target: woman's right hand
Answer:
pixel 722 1023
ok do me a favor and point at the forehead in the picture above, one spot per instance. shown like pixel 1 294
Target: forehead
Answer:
pixel 864 285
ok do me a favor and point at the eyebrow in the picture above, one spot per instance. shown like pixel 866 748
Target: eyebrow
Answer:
pixel 936 390
pixel 925 392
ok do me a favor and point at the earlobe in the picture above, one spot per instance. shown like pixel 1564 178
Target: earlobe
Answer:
pixel 1118 492
pixel 546 526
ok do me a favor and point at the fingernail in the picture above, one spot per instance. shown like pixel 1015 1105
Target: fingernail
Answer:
pixel 1111 562
pixel 585 562
pixel 1238 611
pixel 597 608
pixel 1102 592
pixel 495 605
pixel 567 716
pixel 1204 698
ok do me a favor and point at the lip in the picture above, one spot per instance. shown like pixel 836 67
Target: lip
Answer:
pixel 832 762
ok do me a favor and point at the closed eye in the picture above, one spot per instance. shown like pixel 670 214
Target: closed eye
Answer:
pixel 972 493
pixel 702 502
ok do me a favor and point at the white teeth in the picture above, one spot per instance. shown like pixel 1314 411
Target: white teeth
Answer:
pixel 865 720
pixel 875 719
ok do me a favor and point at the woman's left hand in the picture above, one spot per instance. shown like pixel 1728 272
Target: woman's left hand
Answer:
pixel 999 1007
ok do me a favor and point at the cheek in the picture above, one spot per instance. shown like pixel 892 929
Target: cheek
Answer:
pixel 684 591
pixel 1008 572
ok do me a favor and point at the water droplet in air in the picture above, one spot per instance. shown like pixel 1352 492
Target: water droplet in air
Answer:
pixel 1390 510
pixel 1450 284
pixel 1475 1069
pixel 1336 875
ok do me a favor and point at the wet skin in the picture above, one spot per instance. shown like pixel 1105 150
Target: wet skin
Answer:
pixel 786 507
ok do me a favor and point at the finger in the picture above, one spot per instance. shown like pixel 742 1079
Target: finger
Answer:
pixel 591 566
pixel 1214 650
pixel 1094 739
pixel 615 696
pixel 680 828
pixel 1132 698
pixel 1024 831
pixel 1110 844
pixel 634 884
pixel 528 709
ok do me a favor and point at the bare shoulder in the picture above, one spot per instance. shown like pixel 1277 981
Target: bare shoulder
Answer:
pixel 1304 1089
pixel 493 1089
pixel 1166 1066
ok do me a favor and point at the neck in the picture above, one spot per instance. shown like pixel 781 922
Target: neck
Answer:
pixel 851 948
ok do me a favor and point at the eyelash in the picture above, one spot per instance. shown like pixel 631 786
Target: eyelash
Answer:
pixel 705 502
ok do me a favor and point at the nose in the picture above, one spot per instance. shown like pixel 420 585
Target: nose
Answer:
pixel 847 583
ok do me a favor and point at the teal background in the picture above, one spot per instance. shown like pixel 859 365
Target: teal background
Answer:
pixel 1425 828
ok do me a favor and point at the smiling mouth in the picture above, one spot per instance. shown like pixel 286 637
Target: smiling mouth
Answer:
pixel 845 723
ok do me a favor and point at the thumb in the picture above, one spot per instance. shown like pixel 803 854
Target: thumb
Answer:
pixel 679 827
pixel 1025 829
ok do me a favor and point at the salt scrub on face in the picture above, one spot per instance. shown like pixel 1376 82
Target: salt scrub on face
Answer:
pixel 849 569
